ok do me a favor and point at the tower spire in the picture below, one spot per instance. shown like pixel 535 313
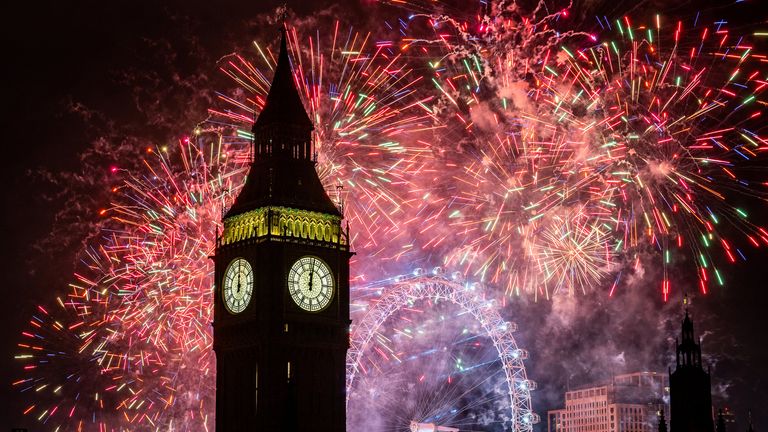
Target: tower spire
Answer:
pixel 283 106
pixel 283 170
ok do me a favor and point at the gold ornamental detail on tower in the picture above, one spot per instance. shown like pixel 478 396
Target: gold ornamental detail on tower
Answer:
pixel 283 222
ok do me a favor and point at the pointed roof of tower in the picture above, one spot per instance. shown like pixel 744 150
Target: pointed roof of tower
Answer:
pixel 283 172
pixel 283 105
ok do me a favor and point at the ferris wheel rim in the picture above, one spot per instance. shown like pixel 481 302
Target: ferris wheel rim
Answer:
pixel 467 297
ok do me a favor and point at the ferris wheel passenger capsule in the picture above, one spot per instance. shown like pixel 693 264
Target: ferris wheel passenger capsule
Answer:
pixel 457 276
pixel 520 354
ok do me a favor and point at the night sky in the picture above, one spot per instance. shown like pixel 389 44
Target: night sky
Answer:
pixel 80 73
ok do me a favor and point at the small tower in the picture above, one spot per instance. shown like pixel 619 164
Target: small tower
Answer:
pixel 662 422
pixel 690 392
pixel 720 426
pixel 750 428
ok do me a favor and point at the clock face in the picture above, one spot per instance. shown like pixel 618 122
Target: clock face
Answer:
pixel 310 283
pixel 237 286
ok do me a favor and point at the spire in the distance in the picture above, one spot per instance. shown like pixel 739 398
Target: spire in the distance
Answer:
pixel 720 425
pixel 283 106
pixel 688 351
pixel 662 421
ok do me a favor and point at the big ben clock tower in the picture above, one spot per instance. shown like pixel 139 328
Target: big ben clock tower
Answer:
pixel 281 301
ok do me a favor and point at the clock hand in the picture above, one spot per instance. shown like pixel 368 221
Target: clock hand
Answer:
pixel 239 273
pixel 310 280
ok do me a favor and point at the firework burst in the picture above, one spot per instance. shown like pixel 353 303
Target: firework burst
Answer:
pixel 662 124
pixel 138 316
pixel 644 141
pixel 145 290
pixel 369 119
pixel 543 166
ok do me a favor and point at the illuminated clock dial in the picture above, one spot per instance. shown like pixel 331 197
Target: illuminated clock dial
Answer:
pixel 310 283
pixel 237 285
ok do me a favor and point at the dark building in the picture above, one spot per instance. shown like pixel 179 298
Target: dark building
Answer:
pixel 720 425
pixel 690 396
pixel 281 313
pixel 729 417
pixel 750 428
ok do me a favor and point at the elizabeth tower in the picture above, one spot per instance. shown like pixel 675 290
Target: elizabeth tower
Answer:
pixel 281 314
